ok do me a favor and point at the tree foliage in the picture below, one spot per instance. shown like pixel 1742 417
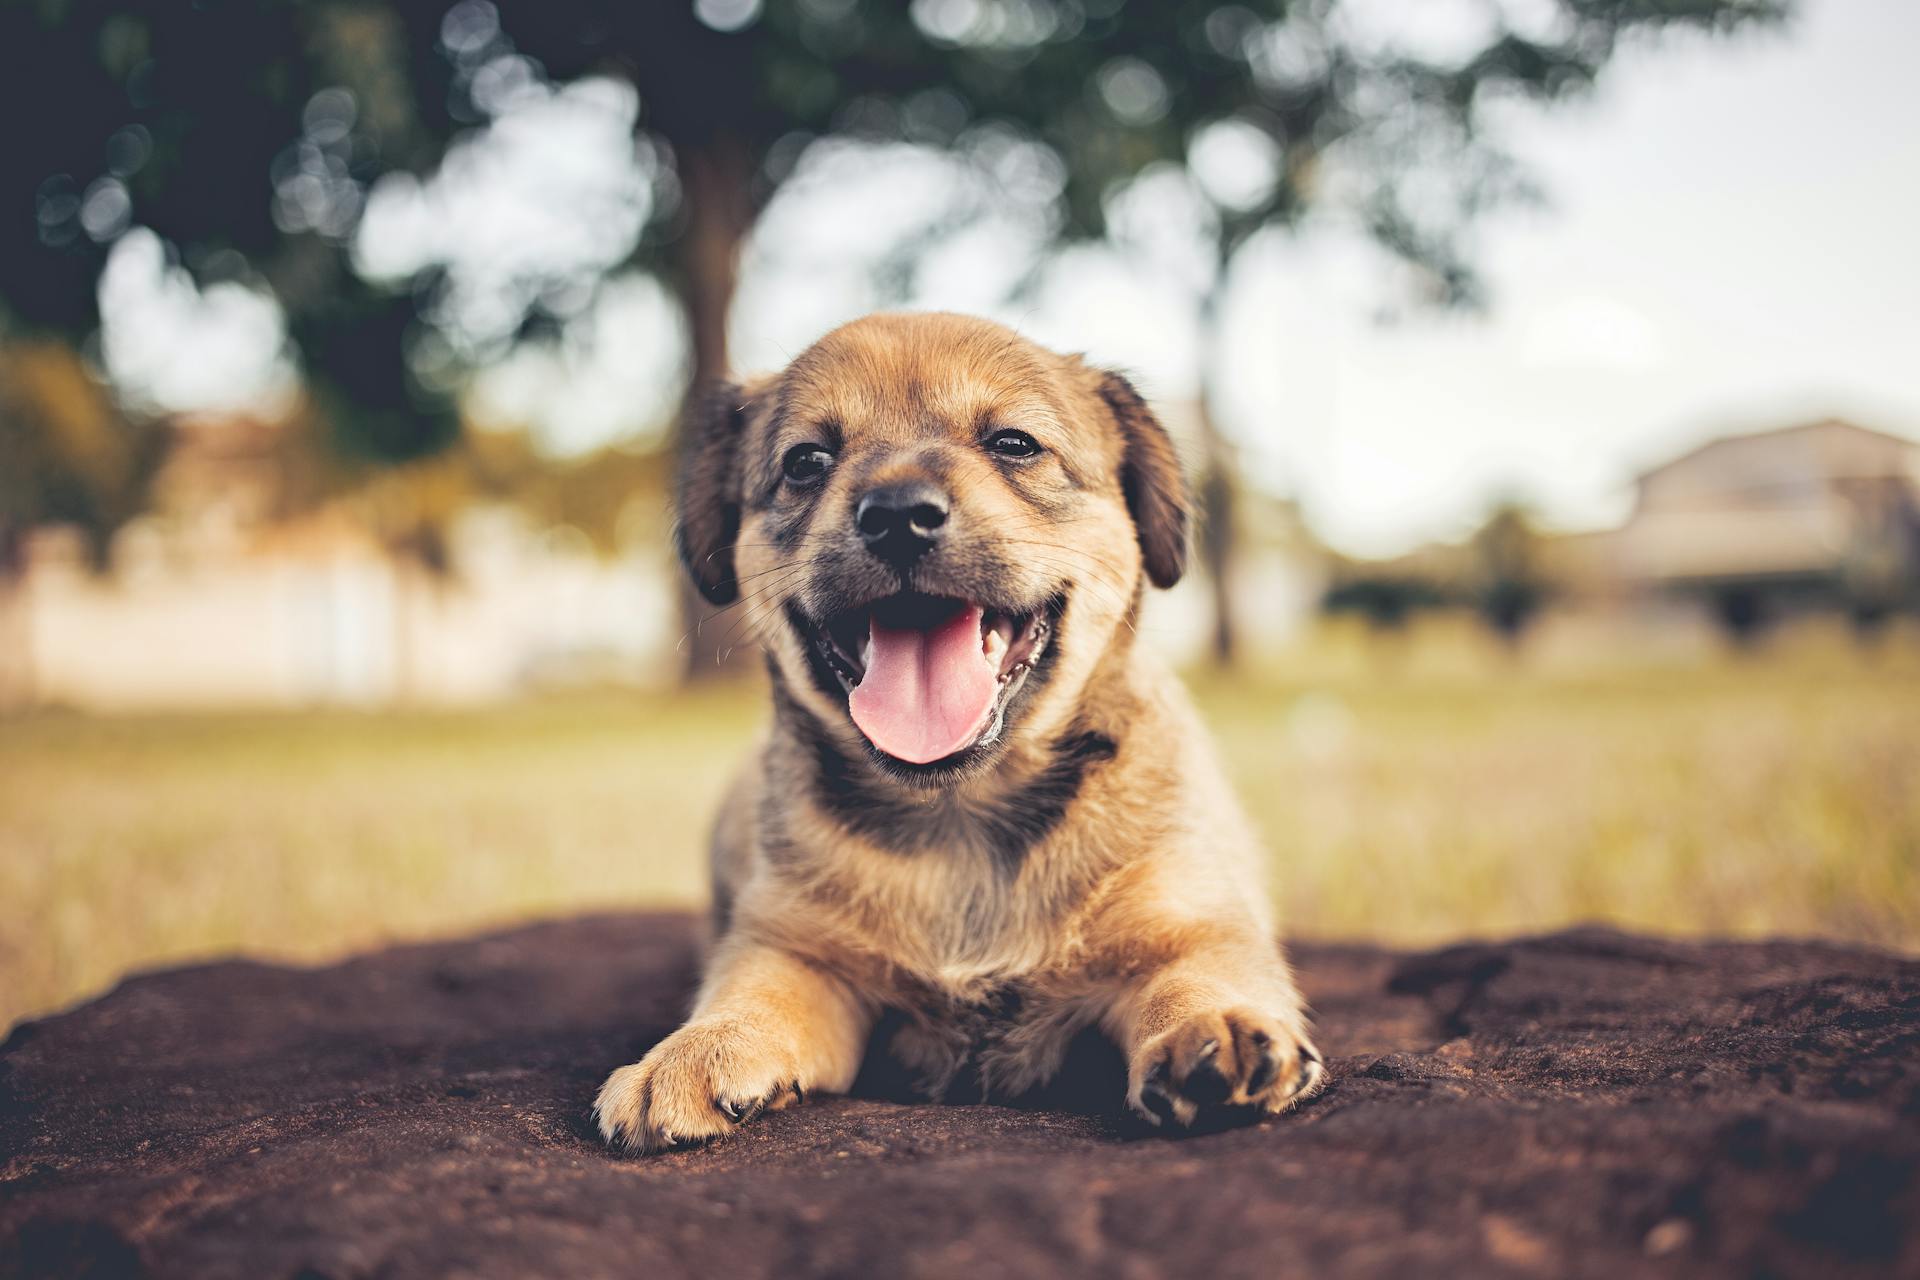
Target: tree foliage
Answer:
pixel 251 134
pixel 68 455
pixel 247 134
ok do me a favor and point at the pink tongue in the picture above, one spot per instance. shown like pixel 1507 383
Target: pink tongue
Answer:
pixel 926 694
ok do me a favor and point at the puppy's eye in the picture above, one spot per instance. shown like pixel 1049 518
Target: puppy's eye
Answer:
pixel 806 463
pixel 1012 444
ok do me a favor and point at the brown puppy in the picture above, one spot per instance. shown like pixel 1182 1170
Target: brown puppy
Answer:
pixel 981 808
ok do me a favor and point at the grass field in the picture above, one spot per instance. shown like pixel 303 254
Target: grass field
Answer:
pixel 1765 795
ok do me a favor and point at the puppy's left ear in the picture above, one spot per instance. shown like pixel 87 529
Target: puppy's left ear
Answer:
pixel 1150 475
pixel 707 489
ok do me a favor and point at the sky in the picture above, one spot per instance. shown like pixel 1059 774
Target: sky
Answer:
pixel 1726 246
pixel 1730 245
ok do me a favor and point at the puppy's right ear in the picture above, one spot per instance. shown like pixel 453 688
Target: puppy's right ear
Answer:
pixel 707 489
pixel 1155 486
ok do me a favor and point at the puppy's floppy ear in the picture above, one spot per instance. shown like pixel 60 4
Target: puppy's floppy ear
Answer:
pixel 707 489
pixel 1150 474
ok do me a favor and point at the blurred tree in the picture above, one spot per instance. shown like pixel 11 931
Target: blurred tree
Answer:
pixel 1508 584
pixel 1386 598
pixel 249 134
pixel 68 455
pixel 412 507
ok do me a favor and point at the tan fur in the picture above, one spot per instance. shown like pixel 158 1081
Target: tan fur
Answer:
pixel 1140 912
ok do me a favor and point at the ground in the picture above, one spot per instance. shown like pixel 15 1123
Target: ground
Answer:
pixel 1581 1103
pixel 1412 790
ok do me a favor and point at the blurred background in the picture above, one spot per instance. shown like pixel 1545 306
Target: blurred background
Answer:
pixel 1549 371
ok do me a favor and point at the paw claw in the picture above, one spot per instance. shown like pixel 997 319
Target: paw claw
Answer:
pixel 1236 1063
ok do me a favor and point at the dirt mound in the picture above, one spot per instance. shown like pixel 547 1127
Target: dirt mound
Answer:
pixel 1584 1103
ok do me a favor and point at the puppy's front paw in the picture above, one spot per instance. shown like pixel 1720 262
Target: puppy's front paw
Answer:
pixel 700 1082
pixel 1236 1058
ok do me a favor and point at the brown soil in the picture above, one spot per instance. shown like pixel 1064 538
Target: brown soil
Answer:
pixel 1587 1103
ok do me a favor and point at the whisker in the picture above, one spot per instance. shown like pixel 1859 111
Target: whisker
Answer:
pixel 749 621
pixel 714 616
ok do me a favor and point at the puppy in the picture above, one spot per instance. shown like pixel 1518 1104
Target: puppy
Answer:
pixel 982 810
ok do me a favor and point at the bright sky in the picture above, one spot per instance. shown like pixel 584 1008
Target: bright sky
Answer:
pixel 1728 246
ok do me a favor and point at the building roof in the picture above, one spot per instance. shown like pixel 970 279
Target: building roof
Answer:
pixel 1837 441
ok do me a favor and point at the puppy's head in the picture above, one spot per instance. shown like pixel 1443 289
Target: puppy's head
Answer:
pixel 936 528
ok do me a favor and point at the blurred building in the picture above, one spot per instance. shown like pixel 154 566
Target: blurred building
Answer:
pixel 1739 533
pixel 1823 514
pixel 218 599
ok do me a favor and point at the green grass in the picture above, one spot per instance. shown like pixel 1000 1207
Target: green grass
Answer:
pixel 1774 795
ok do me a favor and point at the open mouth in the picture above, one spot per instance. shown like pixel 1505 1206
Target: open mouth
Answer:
pixel 928 677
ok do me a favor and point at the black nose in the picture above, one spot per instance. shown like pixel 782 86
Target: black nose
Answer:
pixel 901 522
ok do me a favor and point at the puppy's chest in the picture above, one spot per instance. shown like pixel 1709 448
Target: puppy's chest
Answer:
pixel 981 994
pixel 1004 1043
pixel 980 1024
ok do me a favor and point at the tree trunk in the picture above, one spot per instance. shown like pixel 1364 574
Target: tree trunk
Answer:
pixel 716 182
pixel 1217 546
pixel 401 689
pixel 1217 491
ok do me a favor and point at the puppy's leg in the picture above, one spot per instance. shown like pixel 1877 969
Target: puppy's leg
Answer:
pixel 1220 1027
pixel 767 1028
